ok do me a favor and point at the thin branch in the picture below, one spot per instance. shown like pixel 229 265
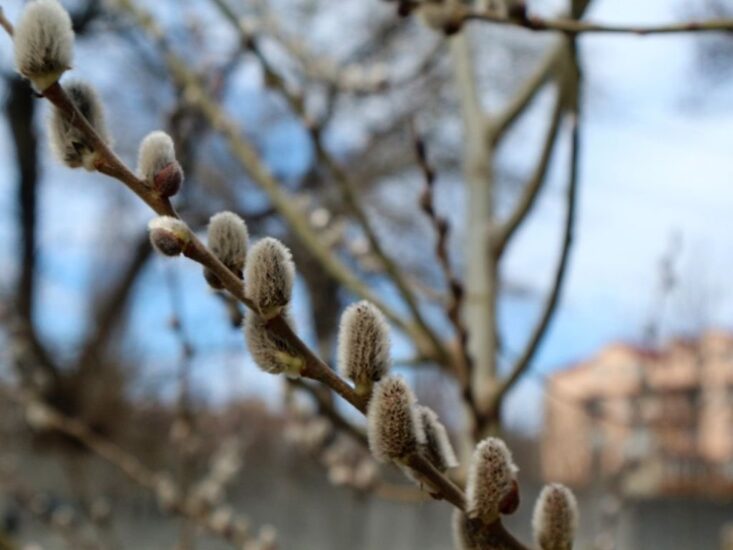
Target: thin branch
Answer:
pixel 5 24
pixel 572 27
pixel 346 185
pixel 455 287
pixel 532 188
pixel 525 360
pixel 246 154
pixel 314 368
pixel 351 78
pixel 524 96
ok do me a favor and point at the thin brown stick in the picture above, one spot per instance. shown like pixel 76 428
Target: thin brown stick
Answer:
pixel 352 78
pixel 314 368
pixel 455 287
pixel 532 188
pixel 524 96
pixel 5 24
pixel 525 359
pixel 572 27
pixel 250 159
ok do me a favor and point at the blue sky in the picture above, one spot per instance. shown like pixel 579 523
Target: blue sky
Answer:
pixel 656 161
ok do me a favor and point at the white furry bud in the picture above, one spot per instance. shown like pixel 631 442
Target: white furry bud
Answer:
pixel 44 43
pixel 393 425
pixel 169 235
pixel 269 276
pixel 68 143
pixel 157 164
pixel 269 351
pixel 363 345
pixel 228 239
pixel 437 447
pixel 491 479
pixel 555 518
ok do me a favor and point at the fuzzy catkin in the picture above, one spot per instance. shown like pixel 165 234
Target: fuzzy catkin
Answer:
pixel 269 276
pixel 157 165
pixel 394 428
pixel 363 345
pixel 228 238
pixel 270 352
pixel 437 447
pixel 68 143
pixel 555 518
pixel 491 477
pixel 43 42
pixel 169 235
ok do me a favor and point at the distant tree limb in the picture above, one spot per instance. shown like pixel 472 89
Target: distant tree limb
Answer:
pixel 532 188
pixel 572 98
pixel 572 26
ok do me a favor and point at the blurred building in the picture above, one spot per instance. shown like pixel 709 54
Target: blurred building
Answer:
pixel 656 422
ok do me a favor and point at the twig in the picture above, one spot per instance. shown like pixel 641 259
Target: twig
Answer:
pixel 524 96
pixel 532 188
pixel 347 187
pixel 5 24
pixel 524 361
pixel 246 154
pixel 455 287
pixel 574 27
pixel 314 368
pixel 352 78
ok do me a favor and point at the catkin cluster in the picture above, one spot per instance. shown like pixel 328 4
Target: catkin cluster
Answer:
pixel 397 427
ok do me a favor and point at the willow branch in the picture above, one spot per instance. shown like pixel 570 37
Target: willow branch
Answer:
pixel 347 187
pixel 532 188
pixel 5 24
pixel 351 78
pixel 313 367
pixel 249 158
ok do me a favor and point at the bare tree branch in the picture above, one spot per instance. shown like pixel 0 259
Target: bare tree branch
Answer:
pixel 572 94
pixel 532 188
